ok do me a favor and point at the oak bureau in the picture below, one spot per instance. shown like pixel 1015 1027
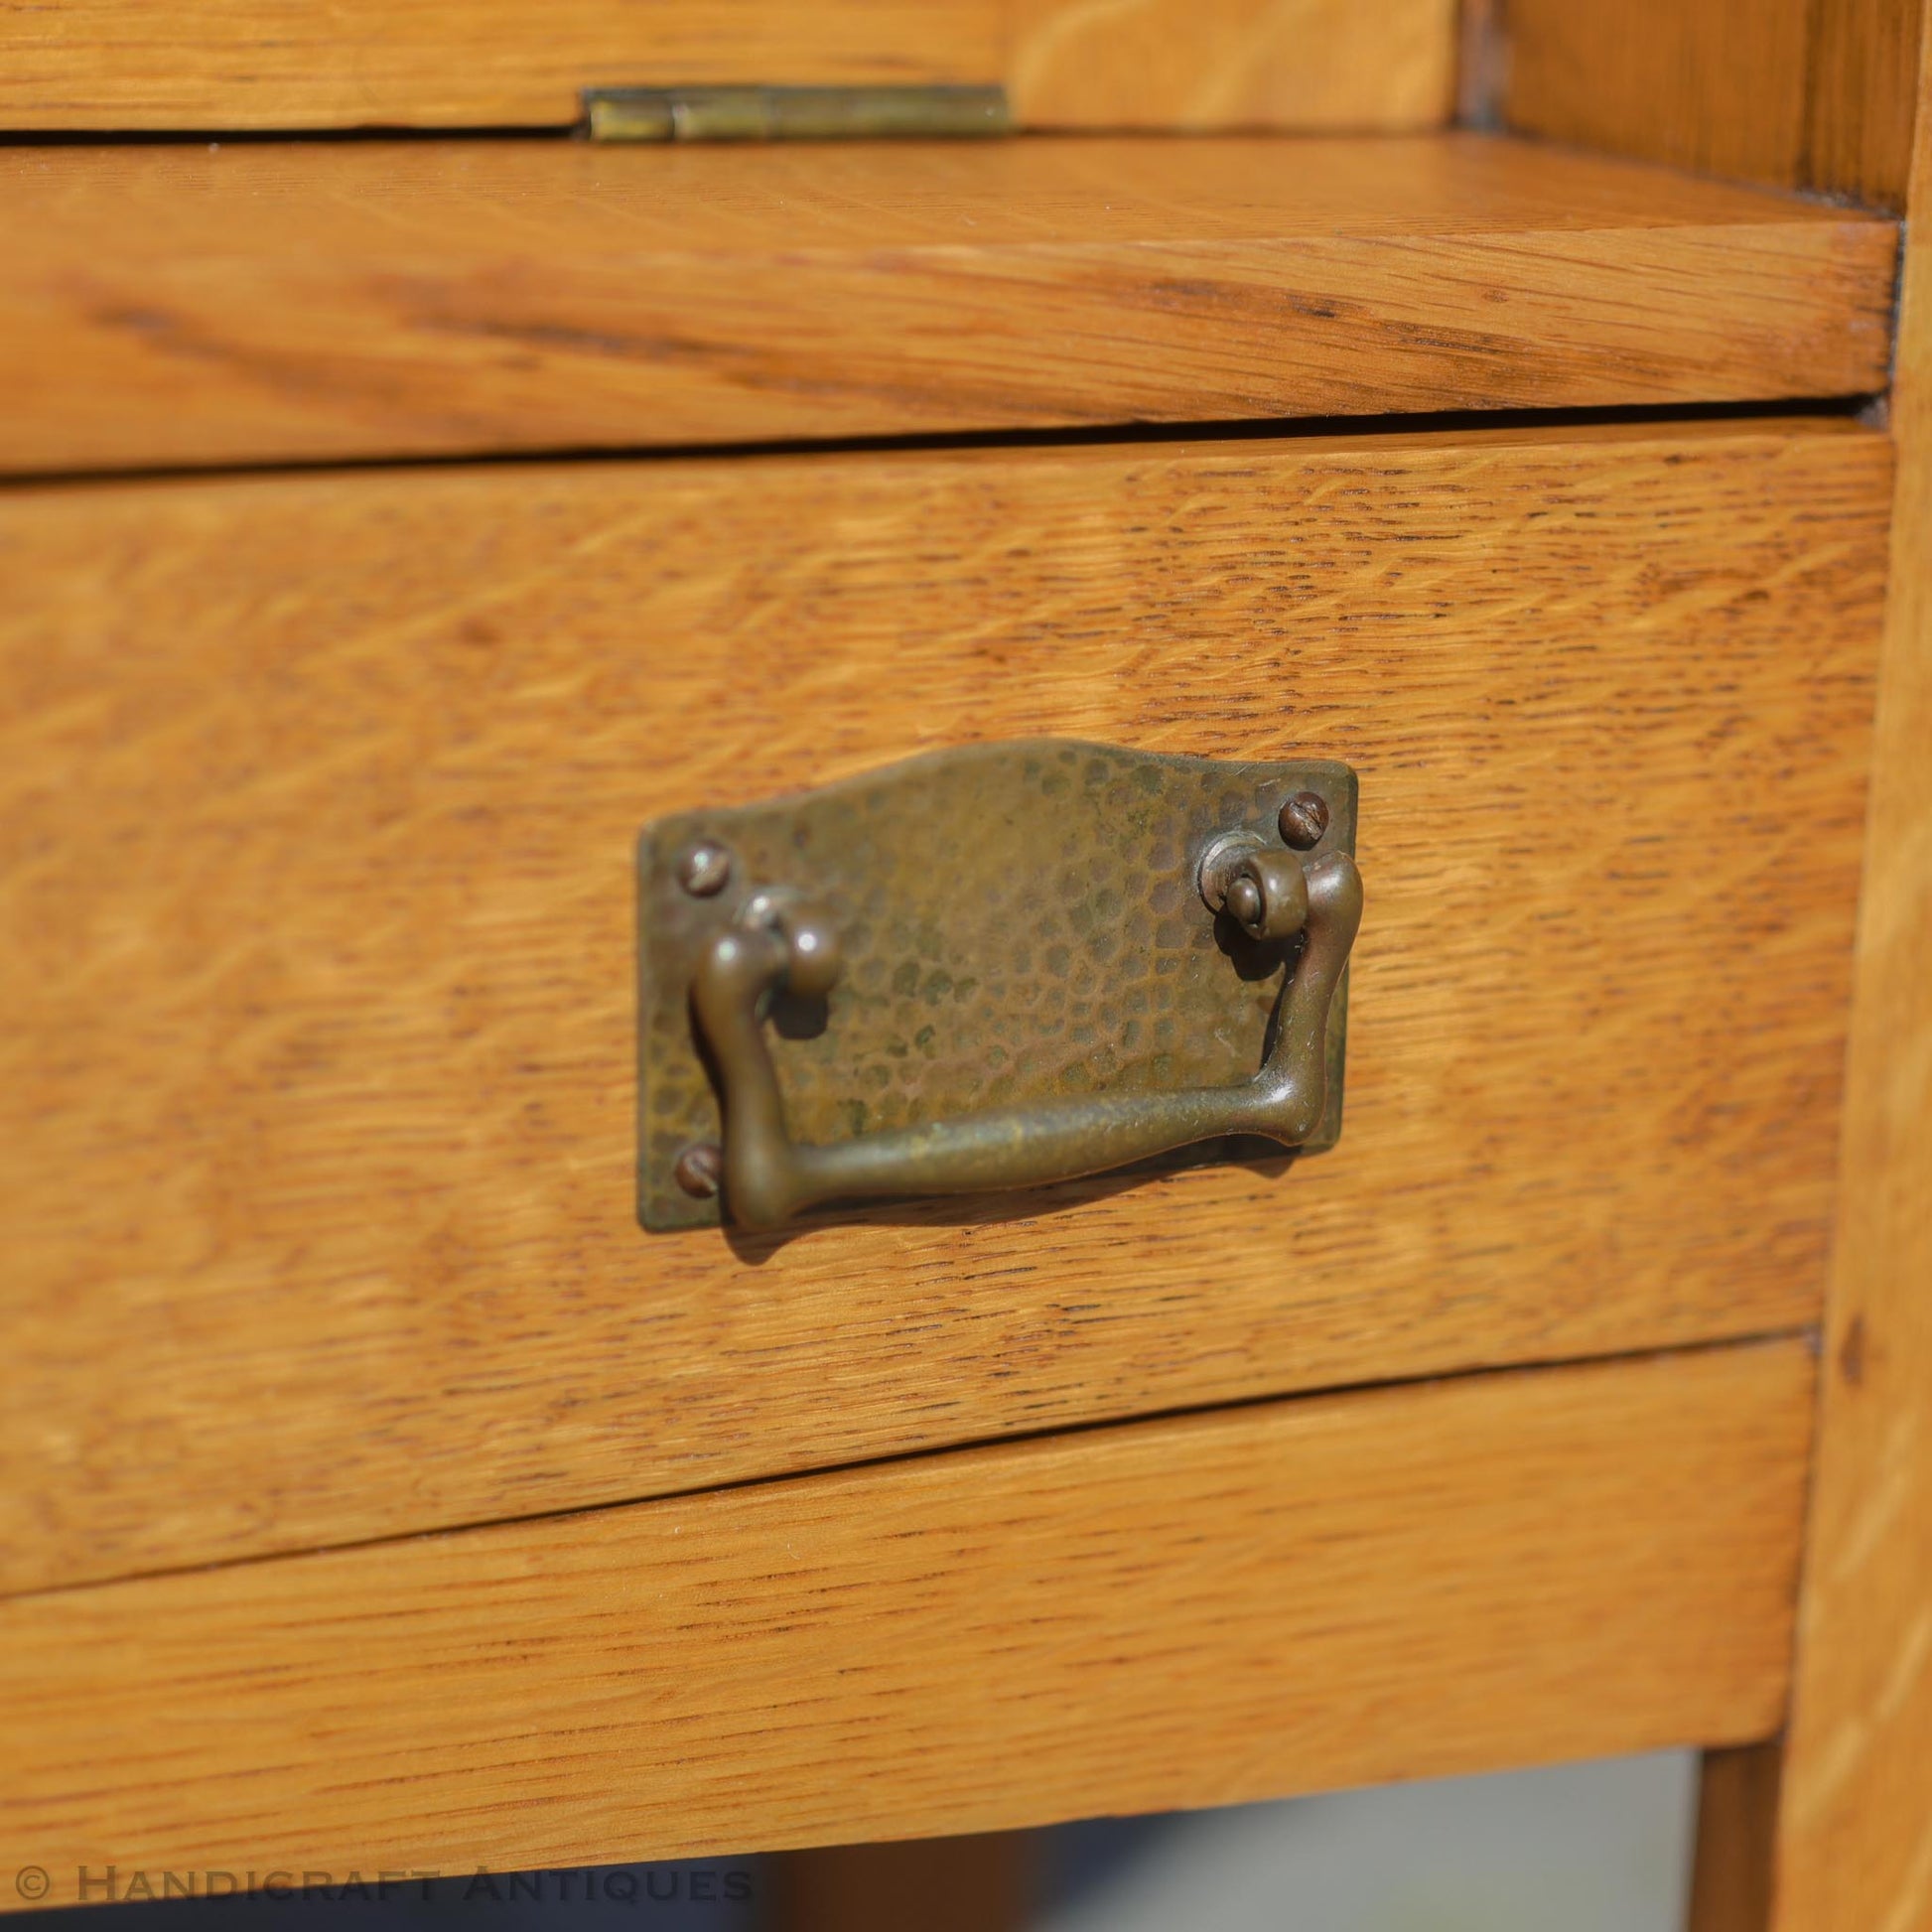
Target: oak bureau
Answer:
pixel 702 708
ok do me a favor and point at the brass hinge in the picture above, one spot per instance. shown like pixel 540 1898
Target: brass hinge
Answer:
pixel 794 113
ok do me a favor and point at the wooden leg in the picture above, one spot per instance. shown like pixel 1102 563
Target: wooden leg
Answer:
pixel 939 1885
pixel 1737 1819
pixel 1854 1836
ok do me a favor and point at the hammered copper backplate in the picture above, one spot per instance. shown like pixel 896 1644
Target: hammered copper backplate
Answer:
pixel 1020 922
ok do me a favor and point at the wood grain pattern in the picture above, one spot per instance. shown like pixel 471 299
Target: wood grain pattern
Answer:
pixel 1715 85
pixel 317 807
pixel 299 63
pixel 1302 64
pixel 1795 94
pixel 1345 1589
pixel 187 306
pixel 1860 97
pixel 1855 1830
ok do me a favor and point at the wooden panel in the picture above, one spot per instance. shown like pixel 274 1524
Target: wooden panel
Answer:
pixel 1306 65
pixel 1858 105
pixel 317 807
pixel 268 302
pixel 1795 94
pixel 1717 85
pixel 303 63
pixel 1855 1831
pixel 299 64
pixel 1348 1590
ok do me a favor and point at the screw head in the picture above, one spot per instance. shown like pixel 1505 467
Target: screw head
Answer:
pixel 700 1170
pixel 1304 820
pixel 704 870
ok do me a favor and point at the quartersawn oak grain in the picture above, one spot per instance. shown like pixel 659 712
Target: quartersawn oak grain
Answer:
pixel 1854 1829
pixel 1498 1570
pixel 318 798
pixel 292 63
pixel 273 302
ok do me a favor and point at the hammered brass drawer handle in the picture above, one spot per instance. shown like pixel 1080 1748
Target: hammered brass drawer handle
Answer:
pixel 784 942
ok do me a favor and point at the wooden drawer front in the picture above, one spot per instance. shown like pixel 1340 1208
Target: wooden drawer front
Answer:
pixel 318 795
pixel 1343 1589
pixel 287 63
pixel 276 301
